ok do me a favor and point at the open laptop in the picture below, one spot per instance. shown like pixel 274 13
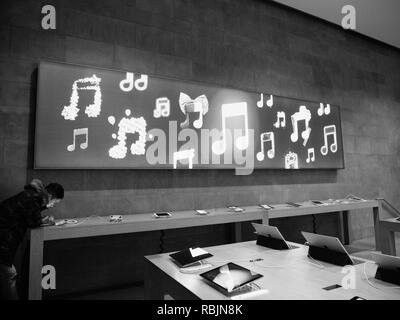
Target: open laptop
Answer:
pixel 189 256
pixel 272 232
pixel 328 242
pixel 388 267
pixel 386 261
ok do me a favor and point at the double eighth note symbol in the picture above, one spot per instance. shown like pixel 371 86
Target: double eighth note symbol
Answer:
pixel 79 132
pixel 269 102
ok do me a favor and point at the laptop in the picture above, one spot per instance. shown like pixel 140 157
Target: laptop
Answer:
pixel 328 242
pixel 230 277
pixel 272 232
pixel 189 256
pixel 388 267
pixel 386 262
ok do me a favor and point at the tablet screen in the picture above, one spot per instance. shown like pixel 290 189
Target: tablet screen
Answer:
pixel 230 276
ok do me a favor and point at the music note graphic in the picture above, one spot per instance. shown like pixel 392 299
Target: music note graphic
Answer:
pixel 129 125
pixel 265 137
pixel 141 83
pixel 187 105
pixel 70 112
pixel 260 103
pixel 291 160
pixel 184 155
pixel 281 120
pixel 162 107
pixel 311 155
pixel 302 115
pixel 228 111
pixel 269 102
pixel 329 131
pixel 79 132
pixel 127 84
pixel 324 109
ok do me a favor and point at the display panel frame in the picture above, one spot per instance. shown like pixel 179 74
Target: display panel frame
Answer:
pixel 38 165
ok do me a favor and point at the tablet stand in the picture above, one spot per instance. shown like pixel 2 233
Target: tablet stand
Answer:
pixel 330 256
pixel 388 275
pixel 272 243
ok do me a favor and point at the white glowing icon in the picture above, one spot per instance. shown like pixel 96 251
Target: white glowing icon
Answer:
pixel 79 132
pixel 70 112
pixel 228 111
pixel 142 82
pixel 198 105
pixel 291 161
pixel 266 137
pixel 324 109
pixel 280 120
pixel 310 155
pixel 269 102
pixel 128 83
pixel 329 131
pixel 128 125
pixel 184 155
pixel 302 115
pixel 111 120
pixel 162 109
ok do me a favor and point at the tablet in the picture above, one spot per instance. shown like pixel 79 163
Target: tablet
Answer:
pixel 230 276
pixel 266 206
pixel 201 212
pixel 162 215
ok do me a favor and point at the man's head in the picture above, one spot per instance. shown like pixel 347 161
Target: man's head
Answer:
pixel 56 193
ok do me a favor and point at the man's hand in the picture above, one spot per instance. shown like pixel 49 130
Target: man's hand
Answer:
pixel 48 220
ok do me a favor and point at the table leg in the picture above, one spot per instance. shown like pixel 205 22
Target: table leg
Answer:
pixel 392 243
pixel 341 227
pixel 389 242
pixel 238 231
pixel 377 228
pixel 153 283
pixel 265 218
pixel 35 264
pixel 344 229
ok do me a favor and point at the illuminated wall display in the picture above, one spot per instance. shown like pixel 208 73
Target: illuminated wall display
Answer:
pixel 89 118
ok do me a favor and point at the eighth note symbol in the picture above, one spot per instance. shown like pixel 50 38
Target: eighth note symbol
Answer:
pixel 79 132
pixel 329 131
pixel 230 110
pixel 322 109
pixel 311 155
pixel 269 102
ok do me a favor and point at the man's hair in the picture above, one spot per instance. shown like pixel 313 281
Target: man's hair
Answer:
pixel 56 190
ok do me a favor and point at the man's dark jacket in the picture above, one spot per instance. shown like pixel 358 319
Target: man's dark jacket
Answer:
pixel 18 213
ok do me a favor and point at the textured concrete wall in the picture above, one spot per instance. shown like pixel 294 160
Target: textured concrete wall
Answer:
pixel 251 45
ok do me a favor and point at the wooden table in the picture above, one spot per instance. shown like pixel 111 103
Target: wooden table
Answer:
pixel 99 226
pixel 388 228
pixel 287 274
pixel 343 208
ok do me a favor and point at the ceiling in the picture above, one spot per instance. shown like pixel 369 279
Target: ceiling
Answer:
pixel 378 19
